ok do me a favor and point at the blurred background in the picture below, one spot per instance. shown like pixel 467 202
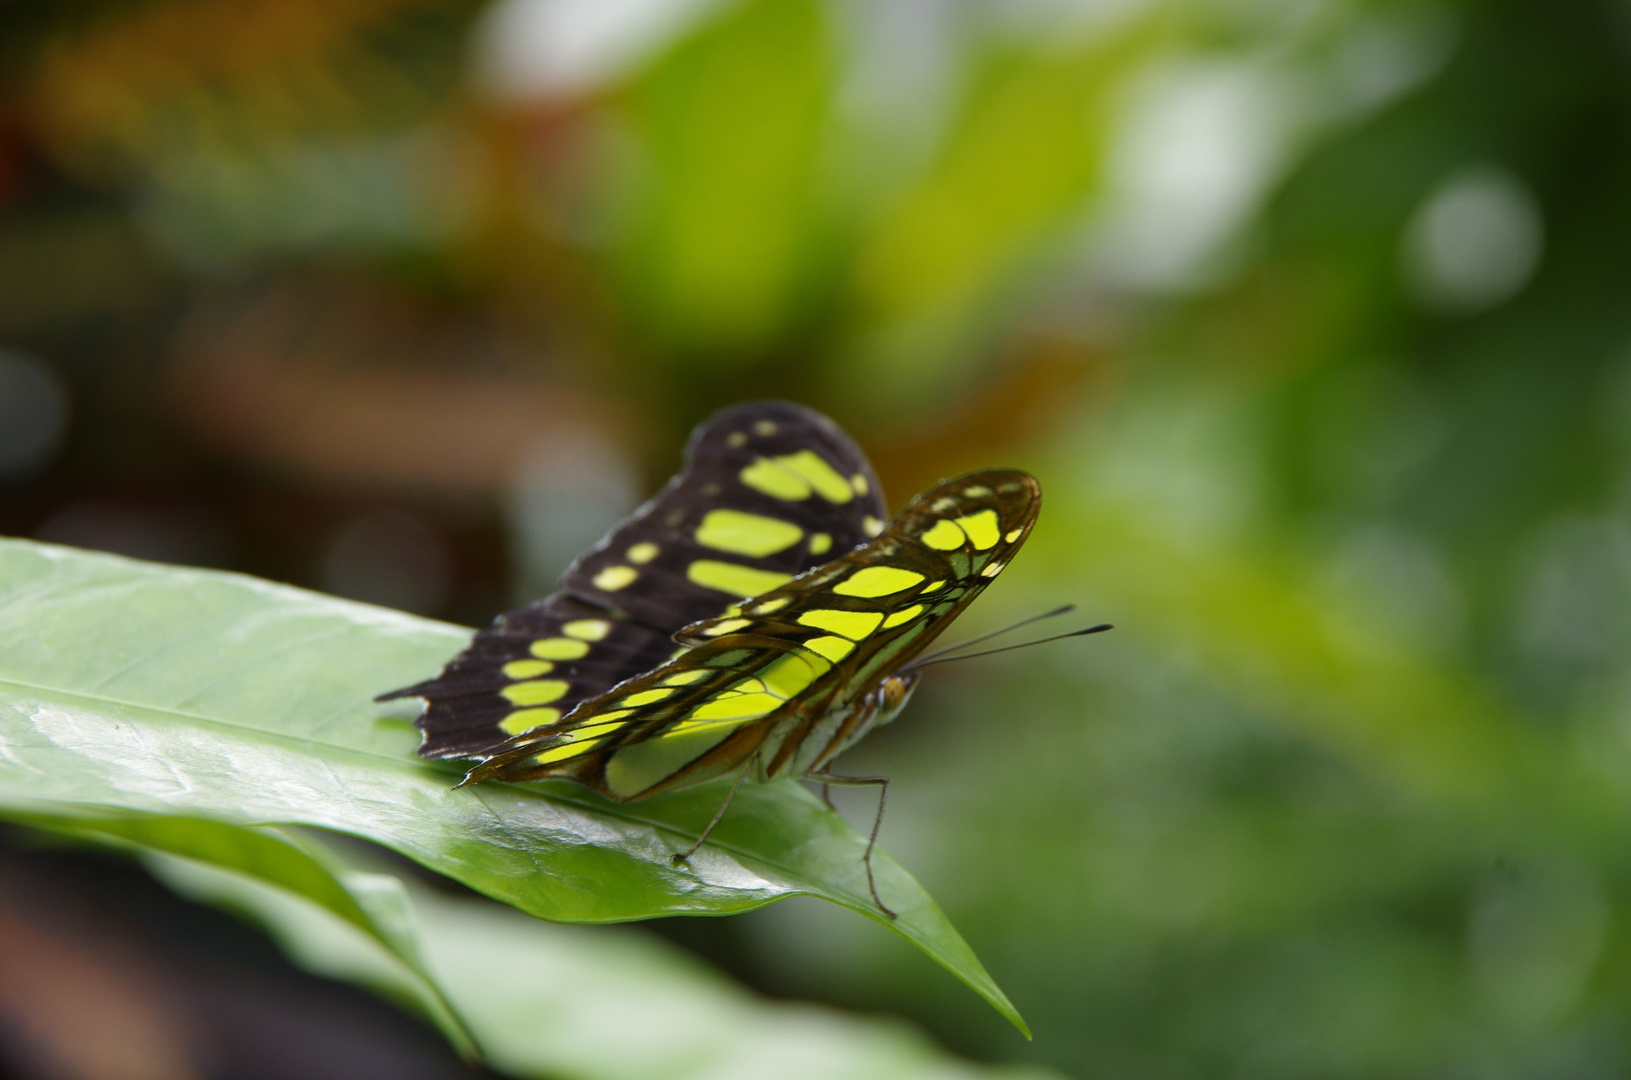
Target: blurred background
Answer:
pixel 1311 316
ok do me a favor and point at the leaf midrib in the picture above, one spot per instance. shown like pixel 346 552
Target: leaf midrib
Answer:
pixel 398 765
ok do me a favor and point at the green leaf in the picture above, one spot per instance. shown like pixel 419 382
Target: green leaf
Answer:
pixel 592 1002
pixel 129 689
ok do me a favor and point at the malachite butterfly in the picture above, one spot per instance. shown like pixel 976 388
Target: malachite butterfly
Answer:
pixel 756 616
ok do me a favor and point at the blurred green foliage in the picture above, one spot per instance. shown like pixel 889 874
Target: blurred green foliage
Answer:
pixel 1309 317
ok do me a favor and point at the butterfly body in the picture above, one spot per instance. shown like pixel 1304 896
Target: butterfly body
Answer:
pixel 643 676
pixel 794 676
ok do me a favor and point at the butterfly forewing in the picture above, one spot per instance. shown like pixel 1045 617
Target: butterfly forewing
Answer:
pixel 786 680
pixel 768 491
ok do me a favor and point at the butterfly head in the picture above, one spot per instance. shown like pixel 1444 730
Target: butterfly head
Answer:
pixel 892 695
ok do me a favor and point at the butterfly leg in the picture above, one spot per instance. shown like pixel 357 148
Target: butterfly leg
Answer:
pixel 882 783
pixel 826 796
pixel 681 856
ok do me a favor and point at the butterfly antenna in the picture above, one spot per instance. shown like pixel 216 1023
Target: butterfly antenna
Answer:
pixel 1065 609
pixel 1099 629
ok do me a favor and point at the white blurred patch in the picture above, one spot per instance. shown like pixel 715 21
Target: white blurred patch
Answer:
pixel 899 80
pixel 1379 60
pixel 1200 142
pixel 1474 242
pixel 388 558
pixel 1396 582
pixel 528 49
pixel 1536 935
pixel 1194 153
pixel 573 485
pixel 1574 588
pixel 33 415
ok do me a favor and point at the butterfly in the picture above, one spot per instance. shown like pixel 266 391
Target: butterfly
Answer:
pixel 756 616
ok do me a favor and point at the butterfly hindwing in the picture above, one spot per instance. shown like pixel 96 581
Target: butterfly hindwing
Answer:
pixel 531 667
pixel 768 491
pixel 786 677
